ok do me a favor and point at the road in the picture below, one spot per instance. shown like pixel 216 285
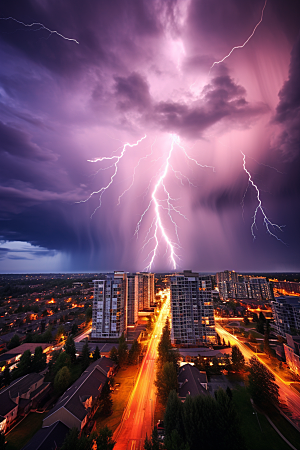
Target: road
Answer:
pixel 83 335
pixel 289 399
pixel 138 416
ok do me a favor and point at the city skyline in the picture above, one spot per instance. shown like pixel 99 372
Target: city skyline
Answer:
pixel 198 143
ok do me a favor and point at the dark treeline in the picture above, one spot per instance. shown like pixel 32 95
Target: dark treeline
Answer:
pixel 202 422
pixel 166 376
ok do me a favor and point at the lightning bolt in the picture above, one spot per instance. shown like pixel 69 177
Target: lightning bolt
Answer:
pixel 267 222
pixel 41 27
pixel 246 42
pixel 162 205
pixel 134 170
pixel 157 224
pixel 116 160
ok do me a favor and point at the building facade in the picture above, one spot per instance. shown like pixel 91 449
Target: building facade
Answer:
pixel 132 299
pixel 192 309
pixel 237 287
pixel 110 306
pixel 146 290
pixel 286 313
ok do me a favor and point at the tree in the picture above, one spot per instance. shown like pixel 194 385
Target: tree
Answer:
pixel 14 342
pixel 74 442
pixel 70 348
pixel 166 381
pixel 202 422
pixel 267 347
pixel 96 354
pixel 254 317
pixel 104 439
pixel 113 355
pixel 229 392
pixel 134 352
pixel 62 380
pixel 74 328
pixel 122 351
pixel 85 357
pixel 175 442
pixel 105 401
pixel 262 386
pixel 62 360
pixel 174 415
pixel 23 366
pixel 237 357
pixel 153 443
pixel 6 376
pixel 60 333
pixel 29 338
pixel 100 441
pixel 228 423
pixel 246 320
pixel 46 337
pixel 2 441
pixel 88 314
pixel 39 360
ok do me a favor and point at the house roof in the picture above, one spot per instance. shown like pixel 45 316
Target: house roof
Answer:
pixel 20 350
pixel 48 438
pixel 89 384
pixel 17 387
pixel 201 351
pixel 189 380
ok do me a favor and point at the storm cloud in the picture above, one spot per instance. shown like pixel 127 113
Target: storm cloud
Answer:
pixel 144 69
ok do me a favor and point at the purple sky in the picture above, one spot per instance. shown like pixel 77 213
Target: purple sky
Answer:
pixel 143 68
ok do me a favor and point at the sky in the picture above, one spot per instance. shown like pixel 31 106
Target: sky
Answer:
pixel 149 135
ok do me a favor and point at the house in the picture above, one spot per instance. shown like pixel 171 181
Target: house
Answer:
pixel 76 406
pixel 206 353
pixel 191 382
pixel 17 398
pixel 13 356
pixel 48 438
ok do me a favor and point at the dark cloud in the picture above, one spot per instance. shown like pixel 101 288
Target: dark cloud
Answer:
pixel 132 92
pixel 142 68
pixel 221 100
pixel 19 143
pixel 288 109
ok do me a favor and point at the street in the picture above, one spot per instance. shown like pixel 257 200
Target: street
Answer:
pixel 289 399
pixel 138 416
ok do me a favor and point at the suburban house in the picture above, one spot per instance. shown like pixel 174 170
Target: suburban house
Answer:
pixel 48 438
pixel 11 357
pixel 191 382
pixel 20 396
pixel 75 407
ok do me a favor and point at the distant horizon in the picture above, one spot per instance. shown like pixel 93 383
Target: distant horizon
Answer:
pixel 156 273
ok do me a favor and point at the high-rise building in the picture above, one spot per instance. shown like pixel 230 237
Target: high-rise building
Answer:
pixel 146 290
pixel 259 288
pixel 132 299
pixel 110 307
pixel 192 309
pixel 286 313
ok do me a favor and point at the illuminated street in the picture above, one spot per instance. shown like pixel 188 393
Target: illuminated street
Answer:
pixel 138 415
pixel 83 335
pixel 288 397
